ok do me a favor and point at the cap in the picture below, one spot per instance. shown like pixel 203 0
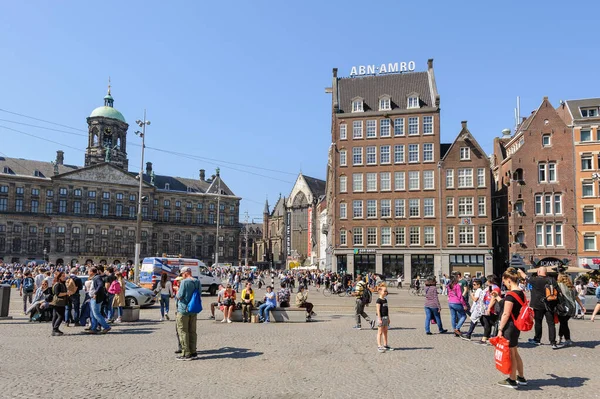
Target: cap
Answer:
pixel 185 269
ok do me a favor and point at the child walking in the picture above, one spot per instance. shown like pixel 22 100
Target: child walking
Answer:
pixel 383 319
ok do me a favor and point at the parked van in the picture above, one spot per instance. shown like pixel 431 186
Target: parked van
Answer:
pixel 152 269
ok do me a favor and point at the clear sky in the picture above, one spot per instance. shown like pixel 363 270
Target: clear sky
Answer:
pixel 242 82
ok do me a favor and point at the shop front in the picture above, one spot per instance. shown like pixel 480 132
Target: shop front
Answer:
pixel 364 261
pixel 392 265
pixel 590 263
pixel 422 266
pixel 472 265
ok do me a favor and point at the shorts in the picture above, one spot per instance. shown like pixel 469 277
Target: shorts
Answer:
pixel 385 322
pixel 511 333
pixel 228 302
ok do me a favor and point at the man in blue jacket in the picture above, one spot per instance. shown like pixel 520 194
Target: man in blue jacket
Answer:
pixel 186 321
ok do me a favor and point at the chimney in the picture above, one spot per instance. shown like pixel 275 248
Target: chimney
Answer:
pixel 335 72
pixel 60 157
pixel 464 124
pixel 202 174
pixel 148 168
pixel 430 63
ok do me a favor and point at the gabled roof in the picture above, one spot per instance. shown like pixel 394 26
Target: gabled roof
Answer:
pixel 279 208
pixel 316 186
pixel 574 107
pixel 465 135
pixel 28 167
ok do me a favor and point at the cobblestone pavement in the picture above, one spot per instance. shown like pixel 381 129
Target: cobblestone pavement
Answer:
pixel 325 359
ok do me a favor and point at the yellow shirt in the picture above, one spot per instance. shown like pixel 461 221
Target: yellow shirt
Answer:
pixel 251 296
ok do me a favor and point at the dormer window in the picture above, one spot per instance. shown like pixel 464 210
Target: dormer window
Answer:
pixel 589 112
pixel 413 101
pixel 167 186
pixel 8 171
pixel 385 103
pixel 357 105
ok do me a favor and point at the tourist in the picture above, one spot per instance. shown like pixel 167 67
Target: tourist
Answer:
pixel 119 298
pixel 568 290
pixel 432 307
pixel 217 304
pixel 74 286
pixel 464 285
pixel 512 306
pixel 59 301
pixel 247 303
pixel 26 290
pixel 97 297
pixel 490 298
pixel 40 302
pixel 360 303
pixel 176 284
pixel 283 296
pixel 301 302
pixel 165 289
pixel 477 309
pixel 186 321
pixel 457 305
pixel 383 320
pixel 228 304
pixel 265 308
pixel 542 307
pixel 581 290
pixel 39 278
pixel 597 307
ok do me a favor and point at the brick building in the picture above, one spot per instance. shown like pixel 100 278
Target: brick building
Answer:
pixel 534 208
pixel 583 118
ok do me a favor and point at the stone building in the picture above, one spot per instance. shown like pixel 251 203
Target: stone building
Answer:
pixel 255 234
pixel 271 247
pixel 70 214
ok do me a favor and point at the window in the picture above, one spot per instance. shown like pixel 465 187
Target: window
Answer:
pixel 3 189
pixel 482 235
pixel 413 153
pixel 413 102
pixel 76 230
pixel 343 157
pixel 119 210
pixel 546 140
pixel 199 206
pixel 428 152
pixel 399 153
pixel 35 192
pixel 91 194
pixel 77 207
pixel 357 105
pixel 371 209
pixel 385 104
pixel 386 236
pixel 357 209
pixel 548 204
pixel 466 235
pixel 465 206
pixel 428 207
pixel 428 182
pixel 538 204
pixel 371 181
pixel 450 235
pixel 586 162
pixel 558 235
pixel 549 236
pixel 413 180
pixel 32 229
pixel 371 235
pixel 343 210
pixel 413 126
pixel 35 205
pixel 480 177
pixel 465 153
pixel 166 216
pixel 547 172
pixel 386 208
pixel 539 235
pixel 588 215
pixel 343 238
pixel 399 127
pixel 19 205
pixel 132 197
pixel 413 207
pixel 449 178
pixel 60 230
pixel 167 203
pixel 557 204
pixel 343 131
pixel 589 243
pixel 399 208
pixel 481 208
pixel 357 130
pixel 551 172
pixel 384 154
pixel 384 128
pixel 357 155
pixel 586 135
pixel 357 182
pixel 589 112
pixel 385 183
pixel 371 129
pixel 587 189
pixel 178 205
pixel 371 155
pixel 450 206
pixel 49 193
pixel 399 181
pixel 465 177
pixel 428 125
pixel 357 236
pixel 343 184
pixel 105 195
pixel 90 231
pixel 415 235
pixel 119 196
pixel 91 208
pixel 49 207
pixel 429 235
pixel 77 192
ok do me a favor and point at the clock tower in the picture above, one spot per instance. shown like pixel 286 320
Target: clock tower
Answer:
pixel 107 135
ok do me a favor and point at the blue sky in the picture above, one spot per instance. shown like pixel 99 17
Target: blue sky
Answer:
pixel 243 81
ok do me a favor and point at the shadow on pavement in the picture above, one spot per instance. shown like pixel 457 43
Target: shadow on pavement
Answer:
pixel 401 328
pixel 227 353
pixel 563 382
pixel 586 344
pixel 413 349
pixel 132 331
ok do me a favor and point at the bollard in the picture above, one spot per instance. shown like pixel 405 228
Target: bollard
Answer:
pixel 4 301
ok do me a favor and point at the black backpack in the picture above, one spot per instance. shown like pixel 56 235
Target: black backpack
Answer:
pixel 366 296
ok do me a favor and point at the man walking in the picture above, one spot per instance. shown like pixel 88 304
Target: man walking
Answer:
pixel 359 308
pixel 542 307
pixel 186 321
pixel 97 297
pixel 26 290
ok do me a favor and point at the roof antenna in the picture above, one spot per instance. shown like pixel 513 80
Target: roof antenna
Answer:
pixel 518 113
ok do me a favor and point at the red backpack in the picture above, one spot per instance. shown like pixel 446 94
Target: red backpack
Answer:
pixel 523 322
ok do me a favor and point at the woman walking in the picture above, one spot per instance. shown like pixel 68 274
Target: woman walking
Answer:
pixel 457 305
pixel 59 301
pixel 165 289
pixel 568 290
pixel 432 307
pixel 119 298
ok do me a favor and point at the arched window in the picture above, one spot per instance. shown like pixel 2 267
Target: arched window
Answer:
pixel 118 143
pixel 94 137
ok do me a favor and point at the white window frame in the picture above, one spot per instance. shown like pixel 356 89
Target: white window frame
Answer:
pixel 413 125
pixel 343 184
pixel 385 183
pixel 357 130
pixel 465 154
pixel 358 105
pixel 385 128
pixel 357 156
pixel 357 232
pixel 549 143
pixel 343 158
pixel 386 236
pixel 399 154
pixel 428 152
pixel 413 153
pixel 482 233
pixel 588 183
pixel 343 131
pixel 414 178
pixel 400 233
pixel 399 127
pixel 449 206
pixel 385 104
pixel 357 183
pixel 414 231
pixel 589 159
pixel 429 235
pixel 414 204
pixel 465 207
pixel 371 236
pixel 371 129
pixel 428 180
pixel 343 238
pixel 371 182
pixel 371 209
pixel 385 208
pixel 587 211
pixel 480 177
pixel 400 208
pixel 450 239
pixel 343 210
pixel 465 178
pixel 427 125
pixel 593 239
pixel 399 181
pixel 371 155
pixel 481 203
pixel 428 207
pixel 412 102
pixel 466 235
pixel 384 154
pixel 357 209
pixel 449 178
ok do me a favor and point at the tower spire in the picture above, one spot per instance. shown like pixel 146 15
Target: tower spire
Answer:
pixel 108 86
pixel 108 98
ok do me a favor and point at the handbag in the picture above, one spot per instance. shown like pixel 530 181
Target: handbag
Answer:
pixel 502 354
pixel 56 300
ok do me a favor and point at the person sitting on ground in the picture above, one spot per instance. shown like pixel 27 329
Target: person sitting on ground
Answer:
pixel 39 303
pixel 247 302
pixel 228 304
pixel 265 308
pixel 218 303
pixel 283 296
pixel 301 302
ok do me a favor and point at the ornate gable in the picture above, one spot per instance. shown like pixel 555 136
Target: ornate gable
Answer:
pixel 102 173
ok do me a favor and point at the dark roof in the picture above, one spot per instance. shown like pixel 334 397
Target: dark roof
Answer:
pixel 28 167
pixel 575 105
pixel 397 86
pixel 444 149
pixel 187 185
pixel 279 208
pixel 316 186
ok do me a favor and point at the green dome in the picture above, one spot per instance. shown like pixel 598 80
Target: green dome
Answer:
pixel 108 112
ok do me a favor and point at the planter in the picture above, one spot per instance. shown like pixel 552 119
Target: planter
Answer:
pixel 131 313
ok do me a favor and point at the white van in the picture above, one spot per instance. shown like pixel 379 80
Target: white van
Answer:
pixel 152 268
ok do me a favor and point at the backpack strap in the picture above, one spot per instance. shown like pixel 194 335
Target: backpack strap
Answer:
pixel 522 303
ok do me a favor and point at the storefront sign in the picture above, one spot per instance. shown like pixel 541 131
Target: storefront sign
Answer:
pixel 309 250
pixel 364 251
pixel 392 67
pixel 550 262
pixel 288 233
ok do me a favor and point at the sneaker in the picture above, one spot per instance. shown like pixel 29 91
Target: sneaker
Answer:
pixel 480 342
pixel 466 337
pixel 358 327
pixel 508 383
pixel 224 321
pixel 388 348
pixel 313 314
pixel 457 333
pixel 167 316
pixel 184 358
pixel 118 320
pixel 106 330
pixel 557 346
pixel 428 333
pixel 178 351
pixel 195 354
pixel 228 320
pixel 211 317
pixel 381 349
pixel 534 341
pixel 443 331
pixel 372 323
pixel 267 322
pixel 162 319
pixel 92 332
pixel 521 381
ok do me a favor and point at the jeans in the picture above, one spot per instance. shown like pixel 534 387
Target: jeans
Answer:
pixel 263 311
pixel 432 313
pixel 72 309
pixel 457 311
pixel 96 316
pixel 57 317
pixel 579 310
pixel 186 327
pixel 359 310
pixel 109 307
pixel 539 315
pixel 164 304
pixel 26 296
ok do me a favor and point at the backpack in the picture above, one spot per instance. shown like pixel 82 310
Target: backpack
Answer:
pixel 115 288
pixel 195 304
pixel 551 291
pixel 523 322
pixel 366 296
pixel 71 287
pixel 565 306
pixel 28 284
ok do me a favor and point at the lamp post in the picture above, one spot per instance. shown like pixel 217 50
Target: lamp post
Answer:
pixel 218 216
pixel 138 232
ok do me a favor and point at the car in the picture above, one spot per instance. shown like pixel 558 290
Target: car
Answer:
pixel 134 294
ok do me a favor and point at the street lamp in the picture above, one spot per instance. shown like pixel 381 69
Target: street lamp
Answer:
pixel 138 233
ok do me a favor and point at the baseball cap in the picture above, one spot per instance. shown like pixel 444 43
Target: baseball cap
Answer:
pixel 185 269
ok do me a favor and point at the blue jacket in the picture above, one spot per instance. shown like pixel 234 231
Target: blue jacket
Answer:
pixel 184 295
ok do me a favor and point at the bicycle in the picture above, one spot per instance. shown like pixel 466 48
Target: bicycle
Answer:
pixel 417 291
